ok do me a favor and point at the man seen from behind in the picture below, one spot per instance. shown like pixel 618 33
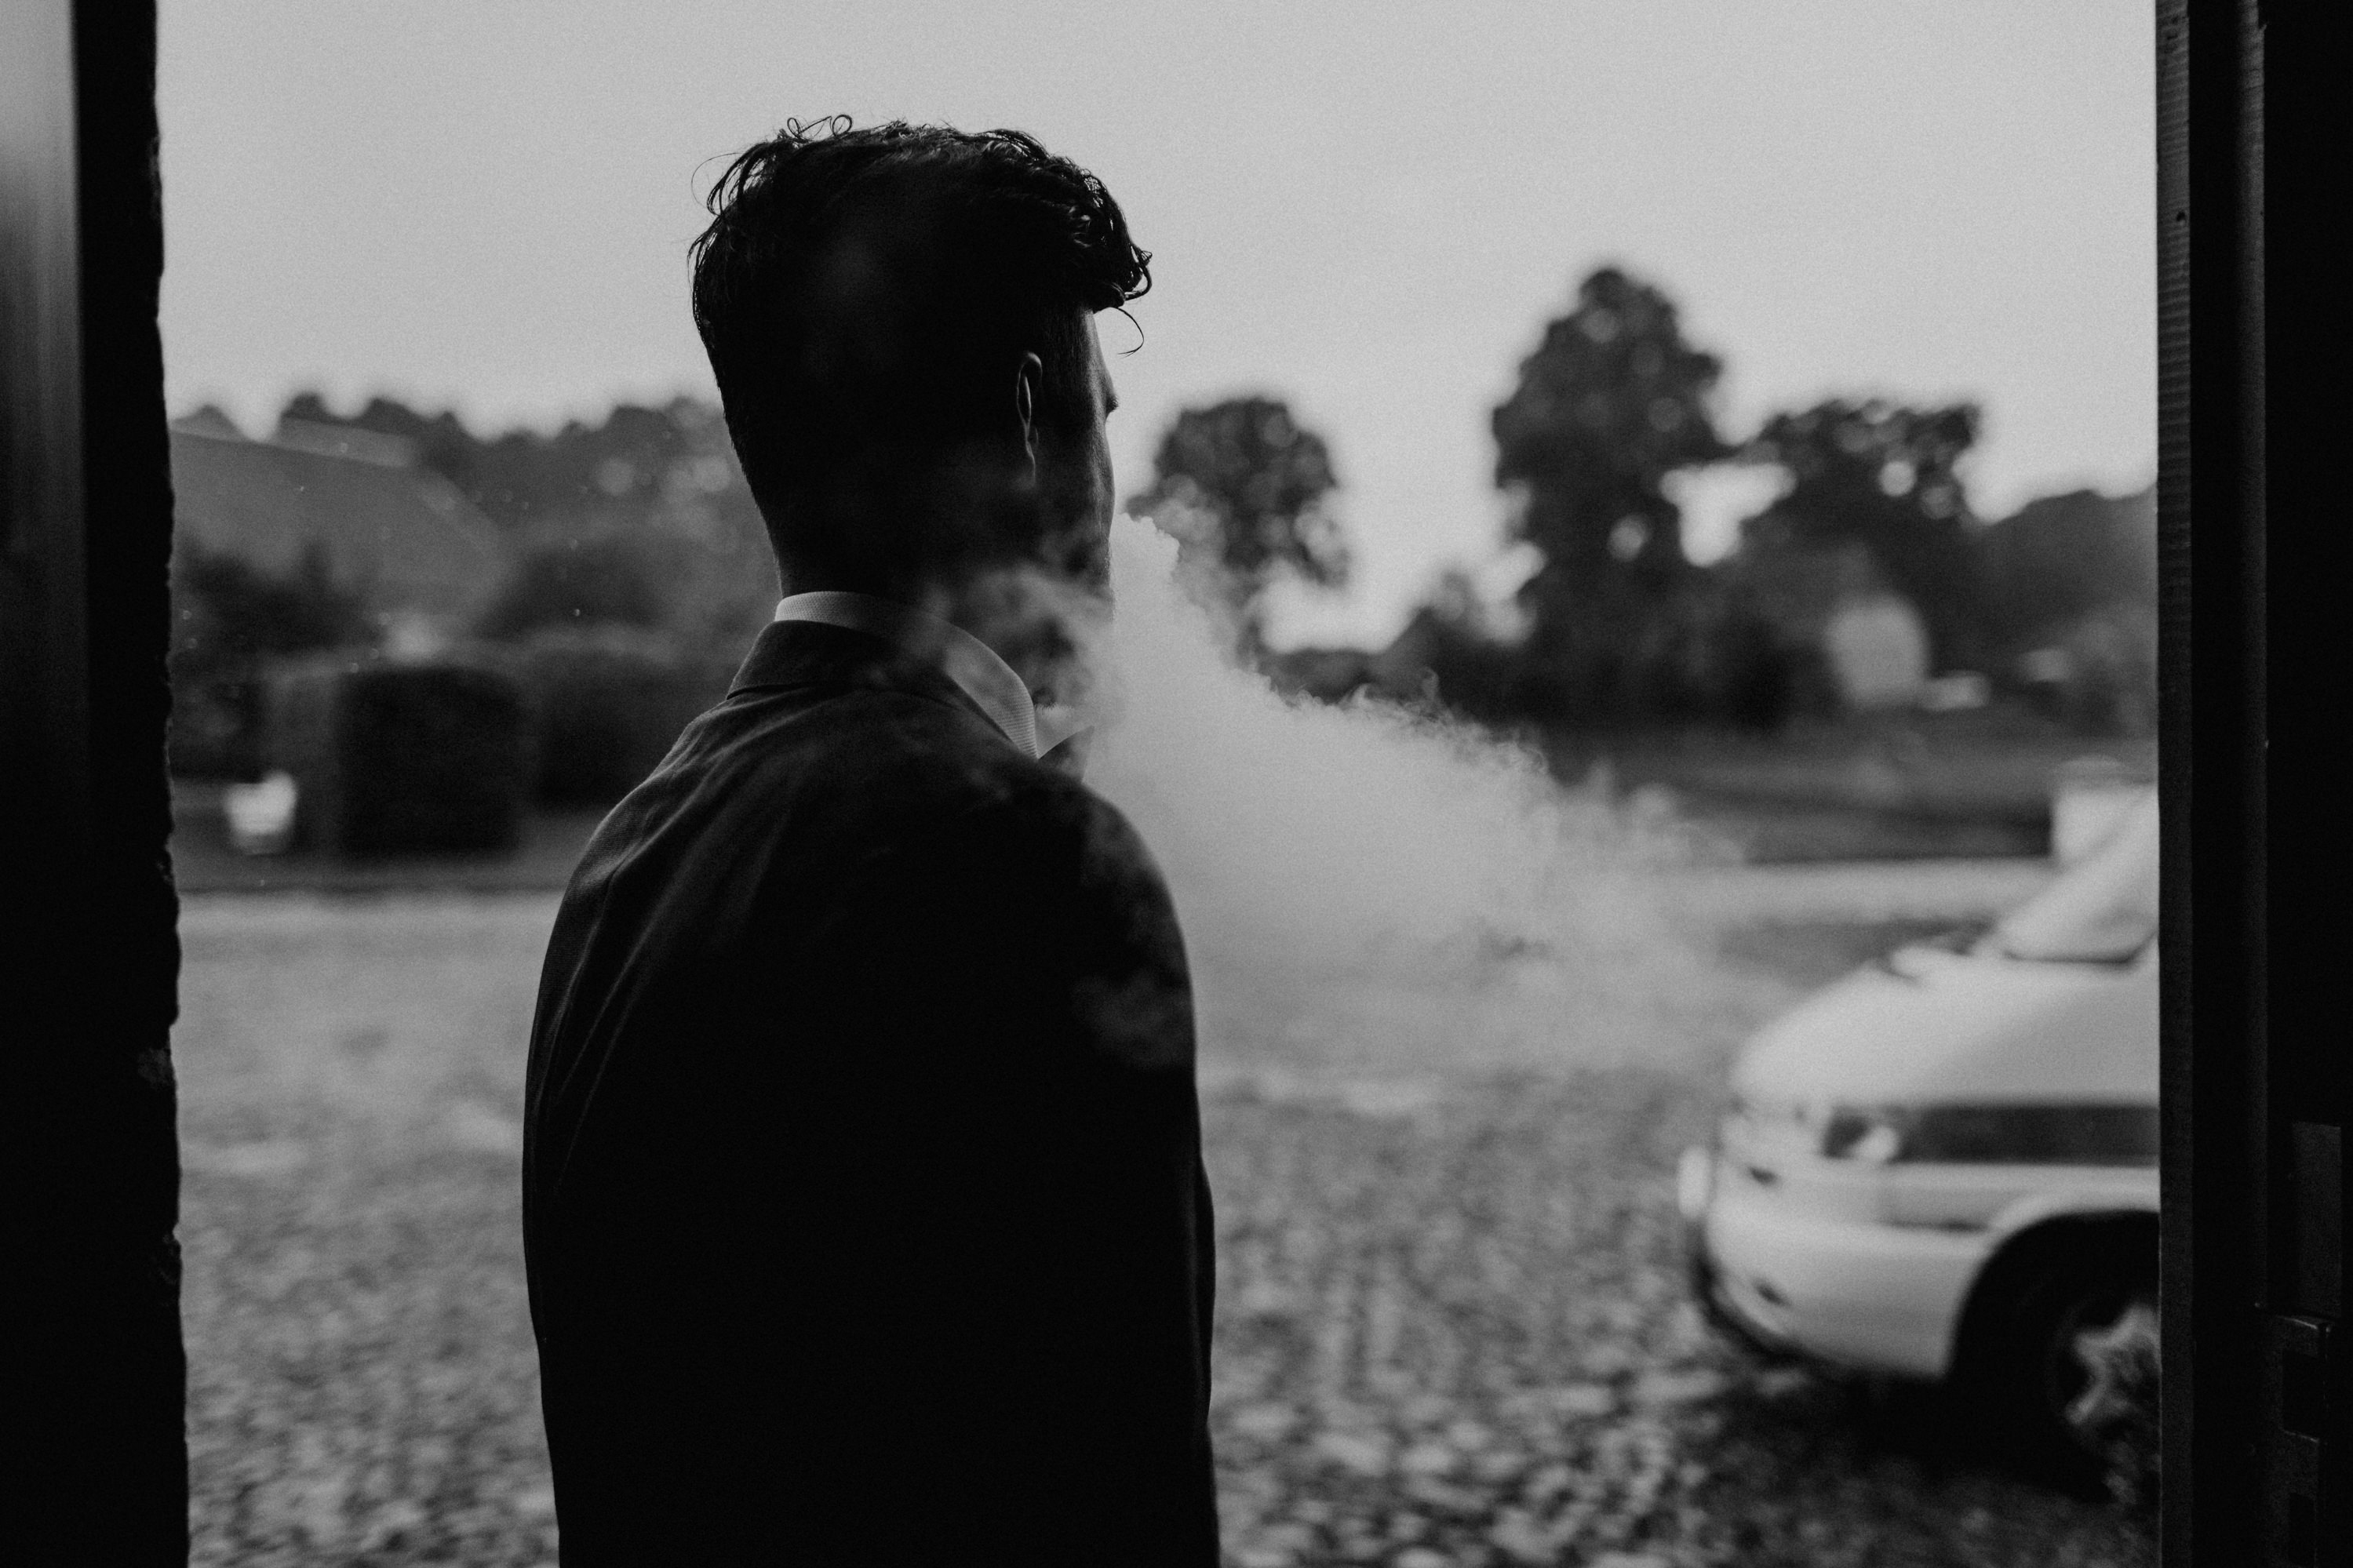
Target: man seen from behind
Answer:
pixel 863 1196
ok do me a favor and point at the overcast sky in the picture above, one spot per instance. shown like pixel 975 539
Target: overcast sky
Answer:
pixel 1370 210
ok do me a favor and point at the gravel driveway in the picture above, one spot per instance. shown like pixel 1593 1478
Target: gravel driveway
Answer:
pixel 1452 1326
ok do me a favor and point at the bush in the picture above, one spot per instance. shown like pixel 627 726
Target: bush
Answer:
pixel 1697 655
pixel 1709 657
pixel 608 702
pixel 400 757
pixel 1477 677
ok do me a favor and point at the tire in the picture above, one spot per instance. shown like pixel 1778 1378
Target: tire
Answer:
pixel 2065 1372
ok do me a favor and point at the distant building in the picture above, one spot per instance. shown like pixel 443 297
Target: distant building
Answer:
pixel 420 555
pixel 347 441
pixel 1877 648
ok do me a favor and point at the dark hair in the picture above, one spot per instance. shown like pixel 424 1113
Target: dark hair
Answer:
pixel 863 295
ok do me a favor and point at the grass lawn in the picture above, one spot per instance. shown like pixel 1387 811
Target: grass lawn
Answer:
pixel 1452 1327
pixel 1975 783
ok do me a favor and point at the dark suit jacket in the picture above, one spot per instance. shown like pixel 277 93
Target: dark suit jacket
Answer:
pixel 863 1198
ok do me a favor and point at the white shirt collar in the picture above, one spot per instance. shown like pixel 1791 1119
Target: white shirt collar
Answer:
pixel 971 663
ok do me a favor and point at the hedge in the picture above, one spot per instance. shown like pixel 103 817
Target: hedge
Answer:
pixel 608 703
pixel 399 756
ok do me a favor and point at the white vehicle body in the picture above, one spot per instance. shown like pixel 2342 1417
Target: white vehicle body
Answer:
pixel 1892 1136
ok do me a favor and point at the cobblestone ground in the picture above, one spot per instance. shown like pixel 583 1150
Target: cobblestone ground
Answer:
pixel 1457 1334
pixel 1452 1327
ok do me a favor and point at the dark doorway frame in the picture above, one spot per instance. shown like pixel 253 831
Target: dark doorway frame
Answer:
pixel 93 1377
pixel 2253 324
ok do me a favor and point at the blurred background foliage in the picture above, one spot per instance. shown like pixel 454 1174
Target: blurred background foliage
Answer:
pixel 628 572
pixel 616 569
pixel 1868 587
pixel 1245 489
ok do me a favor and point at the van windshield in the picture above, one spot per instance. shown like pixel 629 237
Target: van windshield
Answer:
pixel 2101 910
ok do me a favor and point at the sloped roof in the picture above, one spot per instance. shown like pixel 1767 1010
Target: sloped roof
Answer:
pixel 405 539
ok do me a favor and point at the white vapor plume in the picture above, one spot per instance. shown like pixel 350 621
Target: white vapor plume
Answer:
pixel 1366 890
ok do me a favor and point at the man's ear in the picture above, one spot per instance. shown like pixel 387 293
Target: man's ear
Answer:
pixel 1029 388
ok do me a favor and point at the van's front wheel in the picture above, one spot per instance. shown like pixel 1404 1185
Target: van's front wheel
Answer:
pixel 2070 1369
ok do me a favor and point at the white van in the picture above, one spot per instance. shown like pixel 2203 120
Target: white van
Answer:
pixel 1944 1165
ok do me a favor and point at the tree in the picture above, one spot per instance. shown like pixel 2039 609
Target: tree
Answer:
pixel 1881 475
pixel 1611 403
pixel 2071 589
pixel 1243 487
pixel 232 614
pixel 609 579
pixel 2060 557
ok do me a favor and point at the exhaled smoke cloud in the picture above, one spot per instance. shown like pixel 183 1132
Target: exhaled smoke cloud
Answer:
pixel 1363 888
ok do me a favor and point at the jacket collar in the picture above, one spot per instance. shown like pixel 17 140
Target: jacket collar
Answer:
pixel 971 663
pixel 883 649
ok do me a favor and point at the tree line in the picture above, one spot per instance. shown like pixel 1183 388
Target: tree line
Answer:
pixel 641 521
pixel 1617 626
